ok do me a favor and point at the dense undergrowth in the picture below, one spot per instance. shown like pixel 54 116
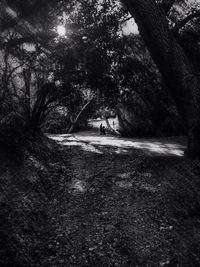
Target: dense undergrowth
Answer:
pixel 62 206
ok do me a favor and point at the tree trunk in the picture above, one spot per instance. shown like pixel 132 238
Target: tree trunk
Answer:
pixel 27 80
pixel 177 72
pixel 110 129
pixel 78 116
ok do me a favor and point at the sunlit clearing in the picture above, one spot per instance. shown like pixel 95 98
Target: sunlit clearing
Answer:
pixel 94 143
pixel 61 30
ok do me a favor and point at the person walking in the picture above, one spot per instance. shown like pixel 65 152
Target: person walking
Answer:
pixel 101 129
pixel 104 130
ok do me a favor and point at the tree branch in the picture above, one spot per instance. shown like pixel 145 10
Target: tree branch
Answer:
pixel 13 70
pixel 125 20
pixel 35 39
pixel 79 115
pixel 183 22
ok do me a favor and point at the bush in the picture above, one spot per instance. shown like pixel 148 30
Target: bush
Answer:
pixel 57 122
pixel 12 129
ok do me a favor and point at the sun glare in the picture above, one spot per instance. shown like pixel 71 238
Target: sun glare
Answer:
pixel 61 30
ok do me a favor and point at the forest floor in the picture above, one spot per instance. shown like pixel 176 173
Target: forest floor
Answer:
pixel 92 200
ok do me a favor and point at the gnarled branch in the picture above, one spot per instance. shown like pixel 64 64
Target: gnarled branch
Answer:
pixel 183 22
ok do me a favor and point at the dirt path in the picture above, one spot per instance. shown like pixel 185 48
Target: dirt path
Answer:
pixel 92 141
pixel 128 203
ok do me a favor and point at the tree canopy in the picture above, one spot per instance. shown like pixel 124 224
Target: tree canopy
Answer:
pixel 95 56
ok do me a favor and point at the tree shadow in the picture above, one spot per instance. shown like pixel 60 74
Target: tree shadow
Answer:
pixel 109 144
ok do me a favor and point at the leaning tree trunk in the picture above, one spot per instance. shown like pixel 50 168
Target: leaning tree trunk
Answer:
pixel 173 64
pixel 110 129
pixel 74 123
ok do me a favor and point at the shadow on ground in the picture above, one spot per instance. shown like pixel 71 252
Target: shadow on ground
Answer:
pixel 131 202
pixel 92 141
pixel 101 201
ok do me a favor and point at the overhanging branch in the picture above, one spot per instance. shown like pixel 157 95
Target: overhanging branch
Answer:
pixel 183 22
pixel 125 20
pixel 39 38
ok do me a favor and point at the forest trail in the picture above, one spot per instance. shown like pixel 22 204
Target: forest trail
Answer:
pixel 94 142
pixel 125 203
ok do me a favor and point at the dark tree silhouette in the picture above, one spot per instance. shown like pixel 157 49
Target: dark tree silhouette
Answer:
pixel 173 63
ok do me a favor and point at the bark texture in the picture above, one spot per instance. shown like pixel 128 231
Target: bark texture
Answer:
pixel 173 64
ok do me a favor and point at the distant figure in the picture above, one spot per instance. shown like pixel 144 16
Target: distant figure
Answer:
pixel 113 125
pixel 104 130
pixel 101 129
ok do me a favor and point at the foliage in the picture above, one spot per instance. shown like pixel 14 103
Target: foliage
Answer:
pixel 94 56
pixel 58 122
